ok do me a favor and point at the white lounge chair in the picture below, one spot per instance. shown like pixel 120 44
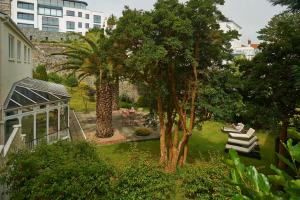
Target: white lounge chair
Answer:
pixel 234 128
pixel 250 133
pixel 242 149
pixel 242 142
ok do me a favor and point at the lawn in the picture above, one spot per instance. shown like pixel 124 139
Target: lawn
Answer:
pixel 206 144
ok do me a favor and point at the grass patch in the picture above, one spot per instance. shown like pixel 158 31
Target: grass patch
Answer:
pixel 204 143
pixel 77 103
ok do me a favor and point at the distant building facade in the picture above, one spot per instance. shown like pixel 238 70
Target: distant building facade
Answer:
pixel 56 15
pixel 232 26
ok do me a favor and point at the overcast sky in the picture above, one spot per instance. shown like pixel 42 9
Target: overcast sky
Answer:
pixel 251 15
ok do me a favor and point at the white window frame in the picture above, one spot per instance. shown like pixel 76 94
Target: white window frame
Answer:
pixel 19 51
pixel 11 47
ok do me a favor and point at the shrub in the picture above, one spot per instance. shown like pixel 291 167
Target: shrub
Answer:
pixel 143 131
pixel 60 171
pixel 55 78
pixel 126 98
pixel 206 182
pixel 143 180
pixel 126 105
pixel 40 73
pixel 71 81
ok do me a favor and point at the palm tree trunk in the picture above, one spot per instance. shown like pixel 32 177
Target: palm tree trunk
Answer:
pixel 104 111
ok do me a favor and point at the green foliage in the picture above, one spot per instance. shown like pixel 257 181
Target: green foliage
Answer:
pixel 126 98
pixel 282 185
pixel 206 182
pixel 40 73
pixel 271 79
pixel 142 180
pixel 143 131
pixel 55 78
pixel 60 171
pixel 71 81
pixel 293 5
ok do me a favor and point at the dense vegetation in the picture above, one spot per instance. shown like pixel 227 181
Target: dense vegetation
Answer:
pixel 75 171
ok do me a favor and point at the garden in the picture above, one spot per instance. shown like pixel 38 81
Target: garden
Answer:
pixel 191 87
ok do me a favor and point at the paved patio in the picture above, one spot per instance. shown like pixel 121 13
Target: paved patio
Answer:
pixel 123 133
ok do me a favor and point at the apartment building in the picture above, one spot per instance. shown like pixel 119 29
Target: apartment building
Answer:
pixel 56 15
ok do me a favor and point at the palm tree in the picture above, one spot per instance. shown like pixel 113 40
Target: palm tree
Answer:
pixel 87 57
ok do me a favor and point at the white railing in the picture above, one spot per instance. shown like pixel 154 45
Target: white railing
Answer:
pixel 11 140
pixel 49 139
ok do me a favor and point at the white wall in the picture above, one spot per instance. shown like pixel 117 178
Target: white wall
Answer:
pixel 11 70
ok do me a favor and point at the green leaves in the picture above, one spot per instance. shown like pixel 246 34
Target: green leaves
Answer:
pixel 251 182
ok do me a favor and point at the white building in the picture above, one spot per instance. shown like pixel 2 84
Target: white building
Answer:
pixel 232 26
pixel 36 109
pixel 56 15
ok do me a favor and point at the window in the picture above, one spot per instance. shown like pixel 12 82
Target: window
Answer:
pixel 97 19
pixel 79 25
pixel 97 26
pixel 24 5
pixel 87 16
pixel 50 12
pixel 25 53
pixel 51 2
pixel 25 16
pixel 28 55
pixel 19 50
pixel 79 14
pixel 11 47
pixel 50 24
pixel 87 25
pixel 70 13
pixel 22 25
pixel 70 25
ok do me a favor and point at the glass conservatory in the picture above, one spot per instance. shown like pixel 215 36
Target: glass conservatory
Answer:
pixel 42 110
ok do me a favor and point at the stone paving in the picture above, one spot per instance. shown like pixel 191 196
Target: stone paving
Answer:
pixel 122 133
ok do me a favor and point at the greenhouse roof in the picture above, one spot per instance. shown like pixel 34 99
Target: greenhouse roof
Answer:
pixel 28 92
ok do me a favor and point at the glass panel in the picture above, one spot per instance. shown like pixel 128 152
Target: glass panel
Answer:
pixel 27 128
pixel 9 128
pixel 64 118
pixel 53 122
pixel 41 125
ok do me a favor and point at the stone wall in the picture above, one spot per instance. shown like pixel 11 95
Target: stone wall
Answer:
pixel 5 7
pixel 36 35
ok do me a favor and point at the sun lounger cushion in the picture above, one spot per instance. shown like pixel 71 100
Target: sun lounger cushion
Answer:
pixel 241 149
pixel 250 133
pixel 235 129
pixel 242 142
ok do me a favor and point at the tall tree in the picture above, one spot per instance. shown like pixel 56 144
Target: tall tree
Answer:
pixel 167 51
pixel 272 77
pixel 293 5
pixel 87 57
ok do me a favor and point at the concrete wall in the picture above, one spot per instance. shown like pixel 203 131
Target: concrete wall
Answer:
pixel 5 6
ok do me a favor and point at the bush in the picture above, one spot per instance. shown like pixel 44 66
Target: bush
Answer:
pixel 126 98
pixel 40 73
pixel 55 78
pixel 71 81
pixel 60 171
pixel 206 182
pixel 143 180
pixel 143 131
pixel 126 105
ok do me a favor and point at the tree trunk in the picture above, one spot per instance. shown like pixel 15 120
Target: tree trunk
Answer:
pixel 104 111
pixel 163 148
pixel 115 99
pixel 282 139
